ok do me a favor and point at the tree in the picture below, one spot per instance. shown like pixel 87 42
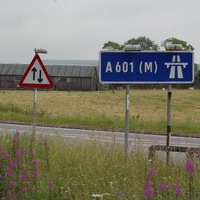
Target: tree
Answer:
pixel 112 45
pixel 172 40
pixel 145 43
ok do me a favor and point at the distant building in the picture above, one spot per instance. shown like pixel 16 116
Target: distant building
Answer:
pixel 64 77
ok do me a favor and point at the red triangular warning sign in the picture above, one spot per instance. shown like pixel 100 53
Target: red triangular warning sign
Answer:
pixel 36 75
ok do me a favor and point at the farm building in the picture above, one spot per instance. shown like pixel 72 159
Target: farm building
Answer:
pixel 64 77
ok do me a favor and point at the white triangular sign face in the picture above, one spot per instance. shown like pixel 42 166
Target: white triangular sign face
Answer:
pixel 36 75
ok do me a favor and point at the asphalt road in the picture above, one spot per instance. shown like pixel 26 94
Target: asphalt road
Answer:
pixel 141 141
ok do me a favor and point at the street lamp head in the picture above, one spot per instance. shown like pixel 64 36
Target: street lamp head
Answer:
pixel 173 47
pixel 132 47
pixel 44 51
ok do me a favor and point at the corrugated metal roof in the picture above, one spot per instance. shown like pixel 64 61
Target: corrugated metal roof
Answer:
pixel 53 70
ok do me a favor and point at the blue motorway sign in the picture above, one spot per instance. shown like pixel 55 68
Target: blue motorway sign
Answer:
pixel 146 67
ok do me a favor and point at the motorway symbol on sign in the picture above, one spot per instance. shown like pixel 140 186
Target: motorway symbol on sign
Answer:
pixel 36 75
pixel 146 67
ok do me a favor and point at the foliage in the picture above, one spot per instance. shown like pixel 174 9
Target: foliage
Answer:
pixel 145 42
pixel 173 40
pixel 112 46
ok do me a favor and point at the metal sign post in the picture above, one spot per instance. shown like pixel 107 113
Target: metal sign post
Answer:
pixel 128 48
pixel 34 110
pixel 127 107
pixel 36 76
pixel 168 121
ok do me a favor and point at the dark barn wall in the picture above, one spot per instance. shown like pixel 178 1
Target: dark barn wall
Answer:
pixel 9 82
pixel 60 83
pixel 73 83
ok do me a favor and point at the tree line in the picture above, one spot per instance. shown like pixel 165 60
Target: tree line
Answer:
pixel 147 44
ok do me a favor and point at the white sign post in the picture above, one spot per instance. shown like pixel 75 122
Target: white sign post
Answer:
pixel 36 76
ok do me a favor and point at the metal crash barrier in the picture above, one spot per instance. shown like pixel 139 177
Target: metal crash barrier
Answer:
pixel 190 151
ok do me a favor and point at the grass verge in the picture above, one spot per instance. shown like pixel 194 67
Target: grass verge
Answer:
pixel 55 169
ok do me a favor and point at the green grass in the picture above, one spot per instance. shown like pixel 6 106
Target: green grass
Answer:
pixel 105 109
pixel 78 170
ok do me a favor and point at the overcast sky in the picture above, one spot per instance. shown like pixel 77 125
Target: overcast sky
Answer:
pixel 77 29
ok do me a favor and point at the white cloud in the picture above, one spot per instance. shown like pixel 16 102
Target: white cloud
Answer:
pixel 77 29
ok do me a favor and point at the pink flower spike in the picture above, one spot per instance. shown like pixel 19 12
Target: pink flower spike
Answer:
pixel 147 184
pixel 24 190
pixel 149 192
pixel 31 140
pixel 17 133
pixel 152 173
pixel 12 163
pixel 50 184
pixel 9 173
pixel 189 166
pixel 163 186
pixel 3 198
pixel 12 183
pixel 35 163
pixel 35 174
pixel 45 142
pixel 178 190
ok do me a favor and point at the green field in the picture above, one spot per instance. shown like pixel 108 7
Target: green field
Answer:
pixel 104 109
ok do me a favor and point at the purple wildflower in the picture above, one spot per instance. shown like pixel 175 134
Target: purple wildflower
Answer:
pixel 40 143
pixel 7 156
pixel 23 176
pixel 32 153
pixel 24 189
pixel 9 173
pixel 30 187
pixel 12 163
pixel 189 166
pixel 35 174
pixel 9 193
pixel 198 154
pixel 23 150
pixel 15 140
pixel 148 192
pixel 17 133
pixel 45 142
pixel 147 184
pixel 18 153
pixel 31 140
pixel 152 173
pixel 178 190
pixel 50 185
pixel 118 192
pixel 35 163
pixel 3 198
pixel 163 186
pixel 12 183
